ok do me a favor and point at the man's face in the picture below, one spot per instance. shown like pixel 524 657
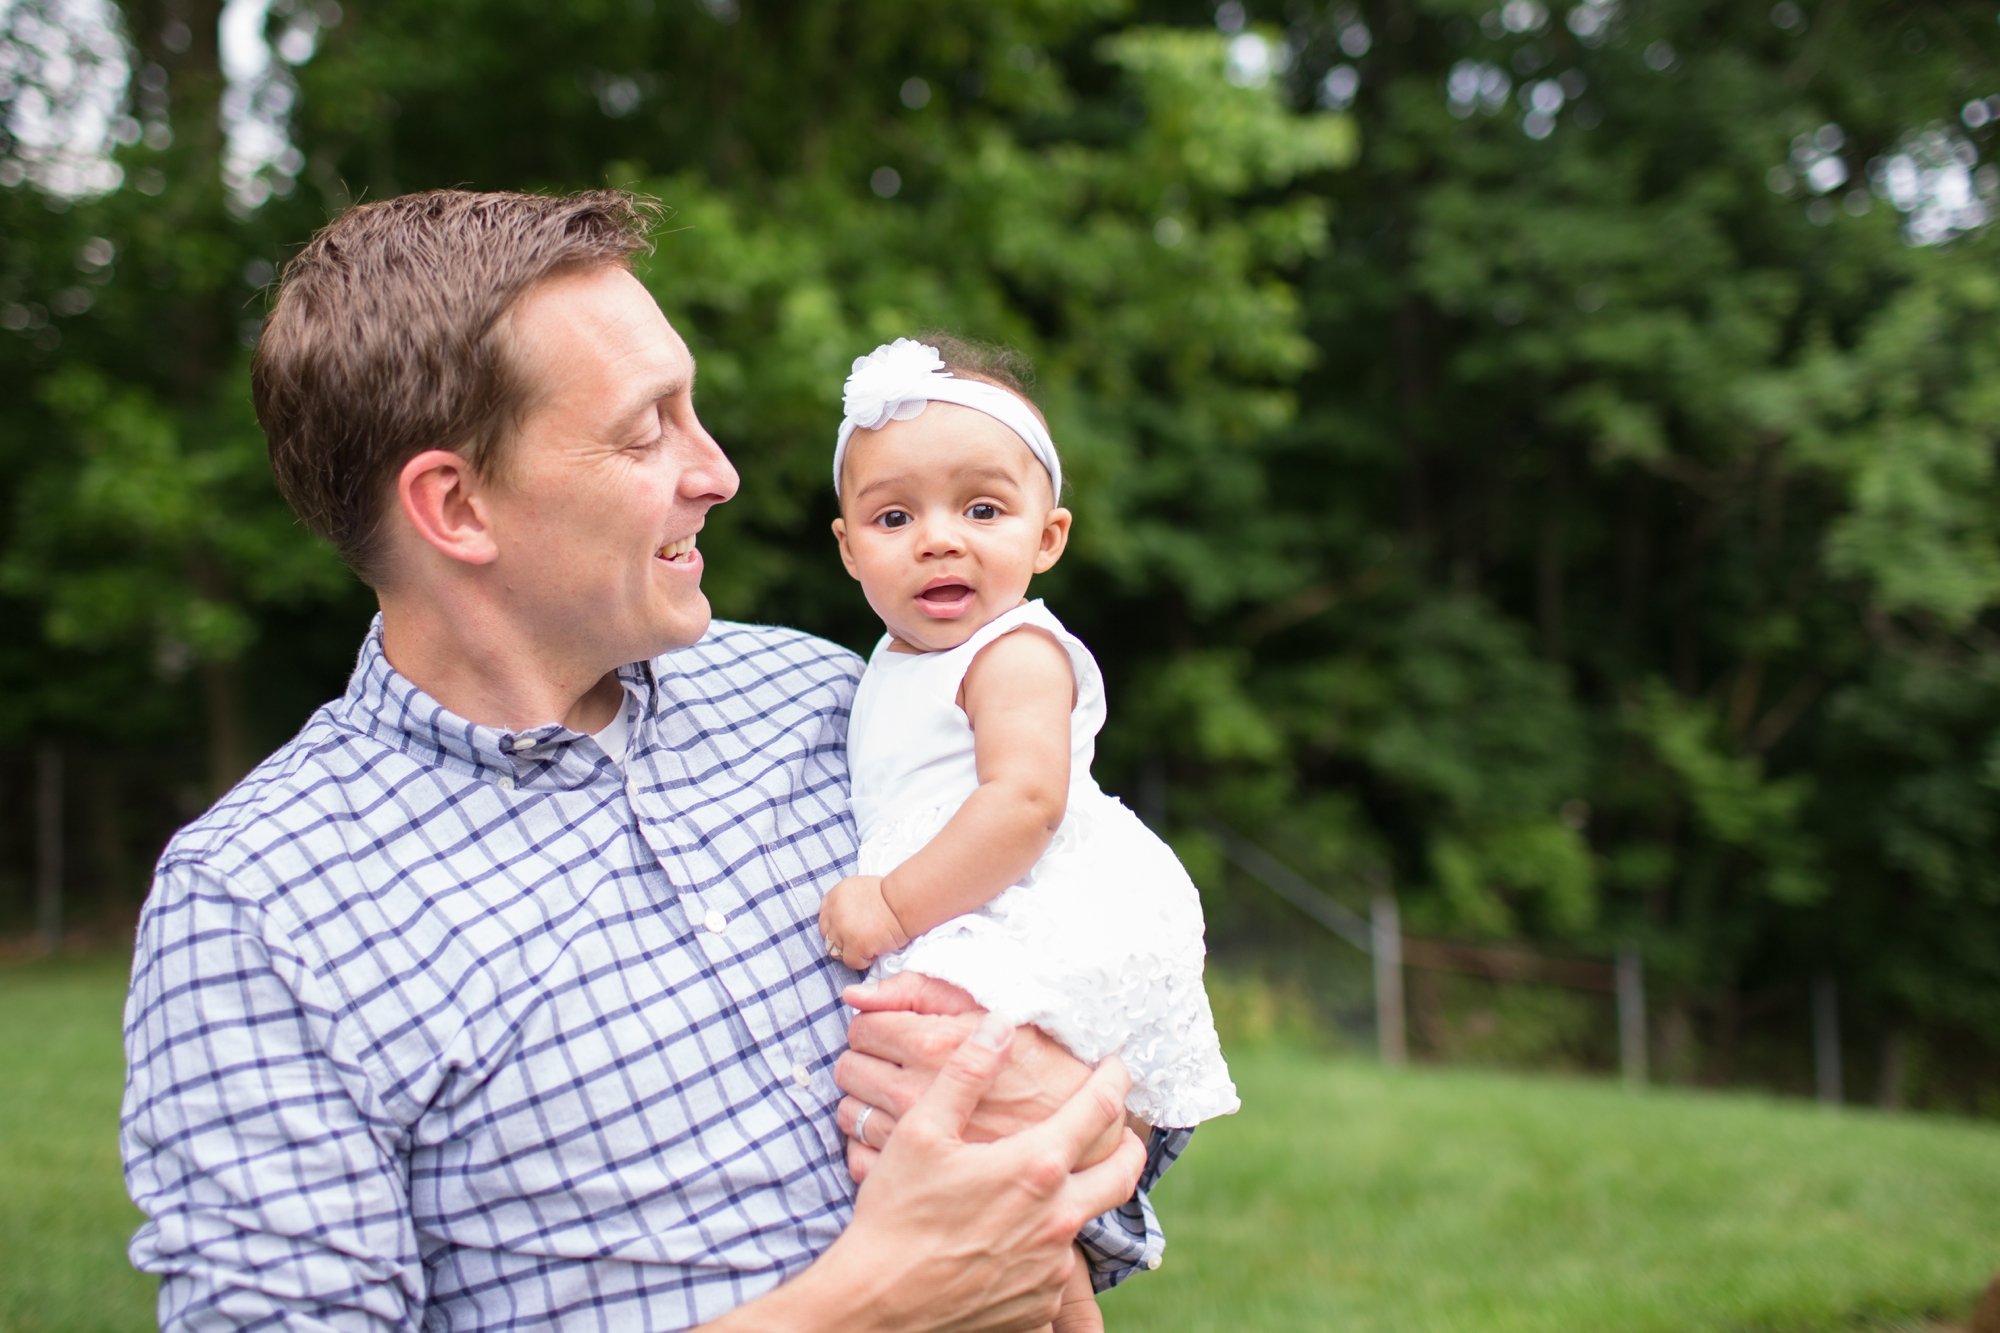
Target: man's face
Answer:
pixel 609 477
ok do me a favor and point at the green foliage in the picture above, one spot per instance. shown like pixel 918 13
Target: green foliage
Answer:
pixel 1906 422
pixel 1592 533
pixel 143 535
pixel 1714 444
pixel 1159 364
pixel 1732 800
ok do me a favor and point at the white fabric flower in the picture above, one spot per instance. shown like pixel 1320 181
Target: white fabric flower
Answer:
pixel 897 380
pixel 889 381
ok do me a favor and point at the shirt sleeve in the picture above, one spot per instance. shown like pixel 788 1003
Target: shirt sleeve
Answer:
pixel 1128 1238
pixel 272 1197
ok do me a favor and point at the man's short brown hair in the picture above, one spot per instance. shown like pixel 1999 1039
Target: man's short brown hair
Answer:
pixel 385 341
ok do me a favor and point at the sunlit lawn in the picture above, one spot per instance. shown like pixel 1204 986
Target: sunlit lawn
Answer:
pixel 64 1218
pixel 1341 1198
pixel 1347 1198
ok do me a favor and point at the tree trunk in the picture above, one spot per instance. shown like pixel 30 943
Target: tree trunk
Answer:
pixel 1635 560
pixel 1550 571
pixel 49 845
pixel 229 756
pixel 1680 1054
pixel 1895 1068
pixel 1426 1003
pixel 200 331
pixel 107 829
pixel 1728 1031
pixel 1414 402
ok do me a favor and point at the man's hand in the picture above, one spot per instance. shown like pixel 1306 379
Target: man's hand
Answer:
pixel 907 1029
pixel 858 923
pixel 949 1234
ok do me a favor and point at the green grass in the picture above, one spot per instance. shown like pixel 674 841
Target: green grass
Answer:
pixel 64 1218
pixel 1342 1198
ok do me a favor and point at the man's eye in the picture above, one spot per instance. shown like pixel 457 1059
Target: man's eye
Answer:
pixel 895 518
pixel 983 512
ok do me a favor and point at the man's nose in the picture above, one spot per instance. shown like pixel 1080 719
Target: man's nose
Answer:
pixel 710 477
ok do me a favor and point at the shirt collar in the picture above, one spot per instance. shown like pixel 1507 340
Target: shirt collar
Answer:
pixel 383 703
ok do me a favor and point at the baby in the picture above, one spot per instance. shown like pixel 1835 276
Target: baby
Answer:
pixel 989 858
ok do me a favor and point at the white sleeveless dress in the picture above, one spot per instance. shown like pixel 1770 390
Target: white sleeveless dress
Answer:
pixel 1100 944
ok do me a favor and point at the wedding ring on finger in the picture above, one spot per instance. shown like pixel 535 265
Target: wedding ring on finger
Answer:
pixel 861 1126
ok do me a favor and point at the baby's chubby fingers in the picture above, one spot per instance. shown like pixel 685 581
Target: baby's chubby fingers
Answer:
pixel 836 910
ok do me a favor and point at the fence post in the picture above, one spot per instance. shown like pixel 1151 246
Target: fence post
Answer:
pixel 1632 1018
pixel 1386 944
pixel 1153 795
pixel 48 845
pixel 1826 1038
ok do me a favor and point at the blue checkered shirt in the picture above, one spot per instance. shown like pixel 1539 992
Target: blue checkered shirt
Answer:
pixel 434 1024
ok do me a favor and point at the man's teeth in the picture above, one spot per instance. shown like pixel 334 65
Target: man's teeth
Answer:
pixel 676 550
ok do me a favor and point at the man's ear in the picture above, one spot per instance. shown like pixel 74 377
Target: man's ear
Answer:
pixel 1055 540
pixel 846 556
pixel 442 499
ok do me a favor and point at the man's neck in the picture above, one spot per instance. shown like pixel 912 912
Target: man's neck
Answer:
pixel 487 671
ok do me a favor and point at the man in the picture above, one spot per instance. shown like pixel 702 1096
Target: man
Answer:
pixel 495 998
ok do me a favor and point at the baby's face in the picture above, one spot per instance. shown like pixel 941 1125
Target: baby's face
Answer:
pixel 944 518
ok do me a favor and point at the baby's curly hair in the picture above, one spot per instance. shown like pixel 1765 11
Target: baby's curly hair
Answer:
pixel 995 363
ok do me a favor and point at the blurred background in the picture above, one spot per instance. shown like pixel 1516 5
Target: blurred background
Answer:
pixel 1534 464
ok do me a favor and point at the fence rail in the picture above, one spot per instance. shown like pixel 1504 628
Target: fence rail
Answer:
pixel 1293 887
pixel 1382 938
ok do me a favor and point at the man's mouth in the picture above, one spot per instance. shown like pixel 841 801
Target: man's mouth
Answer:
pixel 945 599
pixel 678 553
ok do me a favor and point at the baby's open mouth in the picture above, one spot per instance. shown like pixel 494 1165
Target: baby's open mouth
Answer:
pixel 680 552
pixel 945 599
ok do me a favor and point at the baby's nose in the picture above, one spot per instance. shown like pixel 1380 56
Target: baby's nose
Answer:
pixel 940 539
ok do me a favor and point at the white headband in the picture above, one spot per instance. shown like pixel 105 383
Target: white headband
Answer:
pixel 895 382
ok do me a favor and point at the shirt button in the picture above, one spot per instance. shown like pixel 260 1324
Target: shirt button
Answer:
pixel 506 783
pixel 1154 1261
pixel 802 1076
pixel 524 742
pixel 715 921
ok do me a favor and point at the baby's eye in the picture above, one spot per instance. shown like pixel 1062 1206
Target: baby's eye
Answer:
pixel 983 512
pixel 895 518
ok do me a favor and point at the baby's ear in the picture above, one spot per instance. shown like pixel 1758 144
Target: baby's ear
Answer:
pixel 846 556
pixel 1055 539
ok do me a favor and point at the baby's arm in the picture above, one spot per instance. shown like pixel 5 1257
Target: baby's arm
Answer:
pixel 1017 695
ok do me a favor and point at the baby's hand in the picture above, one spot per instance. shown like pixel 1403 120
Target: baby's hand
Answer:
pixel 857 923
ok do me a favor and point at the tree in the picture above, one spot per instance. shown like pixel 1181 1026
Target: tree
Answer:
pixel 144 535
pixel 1660 329
pixel 1542 455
